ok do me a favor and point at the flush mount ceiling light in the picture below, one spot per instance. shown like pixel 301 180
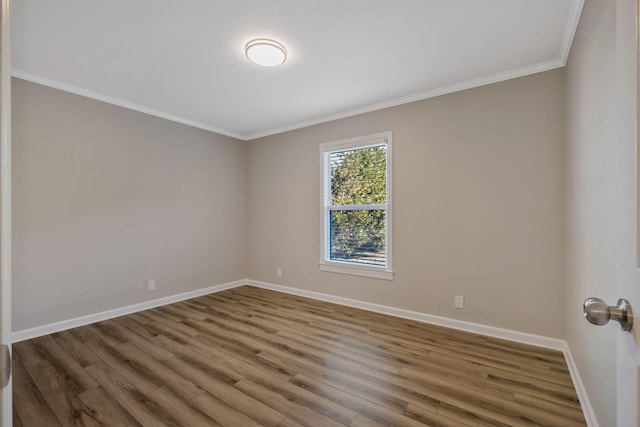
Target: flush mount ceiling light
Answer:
pixel 265 52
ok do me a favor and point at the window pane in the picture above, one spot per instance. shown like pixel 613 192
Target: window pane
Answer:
pixel 359 177
pixel 357 236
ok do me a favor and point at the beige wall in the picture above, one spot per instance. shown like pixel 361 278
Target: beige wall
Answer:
pixel 106 198
pixel 478 206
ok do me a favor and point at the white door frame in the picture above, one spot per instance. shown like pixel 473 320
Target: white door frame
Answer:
pixel 5 205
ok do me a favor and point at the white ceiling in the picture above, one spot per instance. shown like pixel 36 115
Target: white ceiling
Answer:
pixel 184 60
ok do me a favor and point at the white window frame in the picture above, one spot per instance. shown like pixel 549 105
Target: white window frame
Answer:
pixel 326 264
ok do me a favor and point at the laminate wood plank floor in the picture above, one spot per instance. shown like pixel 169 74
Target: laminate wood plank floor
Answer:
pixel 252 357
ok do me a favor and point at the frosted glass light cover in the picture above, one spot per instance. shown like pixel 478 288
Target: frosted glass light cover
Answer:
pixel 265 52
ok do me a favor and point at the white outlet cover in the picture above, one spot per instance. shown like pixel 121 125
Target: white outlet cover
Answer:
pixel 459 301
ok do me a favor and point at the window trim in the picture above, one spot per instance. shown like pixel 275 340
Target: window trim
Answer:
pixel 344 267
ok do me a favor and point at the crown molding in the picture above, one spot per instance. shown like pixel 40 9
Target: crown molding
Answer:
pixel 457 87
pixel 570 30
pixel 120 103
pixel 560 61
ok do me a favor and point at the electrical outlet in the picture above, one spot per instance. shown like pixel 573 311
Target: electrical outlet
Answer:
pixel 459 301
pixel 279 272
pixel 151 285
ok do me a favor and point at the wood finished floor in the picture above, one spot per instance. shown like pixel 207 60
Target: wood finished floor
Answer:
pixel 246 357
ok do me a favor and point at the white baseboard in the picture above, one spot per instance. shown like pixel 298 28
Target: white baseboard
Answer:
pixel 117 312
pixel 491 331
pixel 476 328
pixel 587 409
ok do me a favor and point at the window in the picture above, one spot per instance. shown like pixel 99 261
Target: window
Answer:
pixel 356 206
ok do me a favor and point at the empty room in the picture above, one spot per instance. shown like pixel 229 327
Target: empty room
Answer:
pixel 319 213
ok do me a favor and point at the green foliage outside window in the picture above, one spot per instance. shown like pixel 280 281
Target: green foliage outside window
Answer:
pixel 358 177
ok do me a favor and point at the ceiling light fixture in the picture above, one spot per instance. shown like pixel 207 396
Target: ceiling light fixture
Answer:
pixel 265 52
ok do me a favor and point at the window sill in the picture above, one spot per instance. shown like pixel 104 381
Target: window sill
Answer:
pixel 344 268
